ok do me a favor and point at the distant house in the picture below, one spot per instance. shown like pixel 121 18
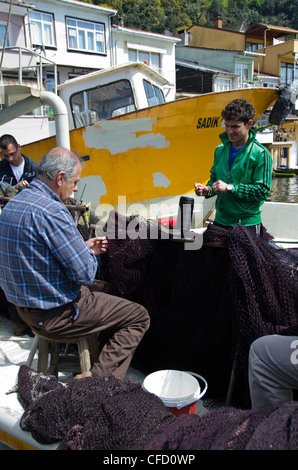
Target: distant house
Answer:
pixel 212 69
pixel 193 79
pixel 279 46
pixel 275 48
pixel 215 37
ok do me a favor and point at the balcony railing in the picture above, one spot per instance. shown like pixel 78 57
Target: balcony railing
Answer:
pixel 22 66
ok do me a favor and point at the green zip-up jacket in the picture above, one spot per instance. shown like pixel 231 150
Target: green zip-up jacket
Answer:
pixel 251 175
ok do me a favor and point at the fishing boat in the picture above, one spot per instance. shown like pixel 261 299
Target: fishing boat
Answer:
pixel 141 155
pixel 141 151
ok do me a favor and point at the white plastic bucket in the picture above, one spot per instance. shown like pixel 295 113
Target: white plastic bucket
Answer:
pixel 178 390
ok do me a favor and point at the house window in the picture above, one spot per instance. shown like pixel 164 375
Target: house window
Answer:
pixel 50 82
pixel 42 29
pixel 250 46
pixel 268 85
pixel 242 71
pixel 155 61
pixel 223 84
pixel 85 36
pixel 2 35
pixel 150 58
pixel 287 72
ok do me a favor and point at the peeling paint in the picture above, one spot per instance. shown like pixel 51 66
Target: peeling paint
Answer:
pixel 95 188
pixel 120 136
pixel 159 179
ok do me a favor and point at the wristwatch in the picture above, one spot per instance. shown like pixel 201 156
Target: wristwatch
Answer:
pixel 230 187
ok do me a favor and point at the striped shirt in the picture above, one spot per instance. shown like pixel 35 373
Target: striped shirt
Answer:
pixel 44 260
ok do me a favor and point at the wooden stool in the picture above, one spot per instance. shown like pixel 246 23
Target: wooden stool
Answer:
pixel 88 352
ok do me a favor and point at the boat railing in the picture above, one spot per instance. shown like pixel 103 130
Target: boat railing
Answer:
pixel 22 66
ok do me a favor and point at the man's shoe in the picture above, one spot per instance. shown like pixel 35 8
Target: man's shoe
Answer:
pixel 21 329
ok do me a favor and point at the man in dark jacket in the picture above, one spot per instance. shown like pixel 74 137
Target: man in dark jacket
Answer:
pixel 15 168
pixel 16 172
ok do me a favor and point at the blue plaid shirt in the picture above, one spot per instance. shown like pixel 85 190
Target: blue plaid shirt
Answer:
pixel 43 258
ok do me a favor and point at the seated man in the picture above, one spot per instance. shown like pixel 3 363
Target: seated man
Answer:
pixel 273 370
pixel 15 168
pixel 47 269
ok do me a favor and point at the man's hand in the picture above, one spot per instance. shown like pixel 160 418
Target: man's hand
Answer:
pixel 219 187
pixel 98 245
pixel 201 189
pixel 23 183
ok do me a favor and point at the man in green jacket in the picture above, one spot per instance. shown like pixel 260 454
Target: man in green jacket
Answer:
pixel 241 174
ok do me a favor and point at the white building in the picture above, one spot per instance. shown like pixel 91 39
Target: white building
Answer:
pixel 71 38
pixel 75 35
pixel 156 50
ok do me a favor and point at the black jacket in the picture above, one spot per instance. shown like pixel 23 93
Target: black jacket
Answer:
pixel 6 173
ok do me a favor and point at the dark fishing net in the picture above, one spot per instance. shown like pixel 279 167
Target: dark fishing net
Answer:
pixel 89 413
pixel 229 429
pixel 130 247
pixel 107 414
pixel 264 283
pixel 207 305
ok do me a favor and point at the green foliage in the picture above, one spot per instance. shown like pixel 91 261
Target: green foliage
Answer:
pixel 173 15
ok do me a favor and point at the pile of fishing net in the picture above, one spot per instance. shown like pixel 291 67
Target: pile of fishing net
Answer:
pixel 229 429
pixel 89 413
pixel 206 305
pixel 108 414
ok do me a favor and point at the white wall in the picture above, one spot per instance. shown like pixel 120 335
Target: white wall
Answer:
pixel 127 38
pixel 27 129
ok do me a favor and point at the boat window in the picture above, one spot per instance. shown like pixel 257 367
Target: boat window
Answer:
pixel 102 102
pixel 153 93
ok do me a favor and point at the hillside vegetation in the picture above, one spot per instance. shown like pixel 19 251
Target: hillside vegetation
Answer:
pixel 159 16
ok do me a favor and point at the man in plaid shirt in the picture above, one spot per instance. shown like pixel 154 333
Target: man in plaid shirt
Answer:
pixel 47 270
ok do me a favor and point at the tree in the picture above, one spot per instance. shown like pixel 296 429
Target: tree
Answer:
pixel 158 15
pixel 147 15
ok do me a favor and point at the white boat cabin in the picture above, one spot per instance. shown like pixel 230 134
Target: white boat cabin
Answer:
pixel 111 93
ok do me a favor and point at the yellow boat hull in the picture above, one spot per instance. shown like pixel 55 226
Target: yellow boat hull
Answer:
pixel 153 153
